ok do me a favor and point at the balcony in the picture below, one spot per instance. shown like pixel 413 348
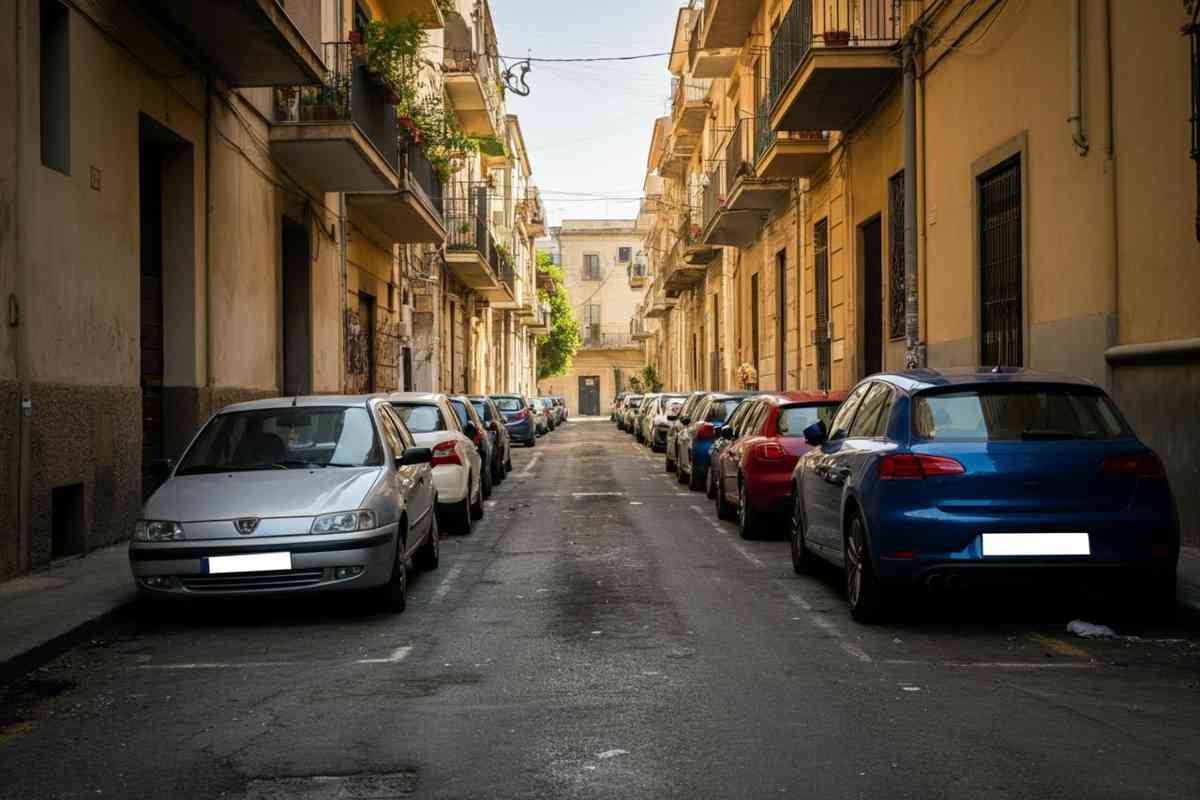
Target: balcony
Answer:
pixel 531 214
pixel 657 303
pixel 708 60
pixel 830 62
pixel 637 328
pixel 596 339
pixel 787 154
pixel 504 294
pixel 470 246
pixel 341 135
pixel 415 213
pixel 737 200
pixel 248 42
pixel 728 23
pixel 428 13
pixel 637 274
pixel 541 322
pixel 689 106
pixel 471 81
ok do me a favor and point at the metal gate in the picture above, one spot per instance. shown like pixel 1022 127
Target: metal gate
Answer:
pixel 821 285
pixel 589 396
pixel 1000 284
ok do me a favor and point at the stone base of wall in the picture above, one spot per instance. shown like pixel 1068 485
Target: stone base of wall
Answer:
pixel 10 454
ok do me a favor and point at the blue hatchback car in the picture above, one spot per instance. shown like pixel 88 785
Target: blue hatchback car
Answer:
pixel 517 419
pixel 695 439
pixel 943 478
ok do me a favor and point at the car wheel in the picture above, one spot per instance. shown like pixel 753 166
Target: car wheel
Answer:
pixel 477 506
pixel 681 474
pixel 427 555
pixel 508 463
pixel 485 478
pixel 864 593
pixel 724 509
pixel 392 597
pixel 670 462
pixel 747 517
pixel 458 516
pixel 710 485
pixel 694 480
pixel 803 561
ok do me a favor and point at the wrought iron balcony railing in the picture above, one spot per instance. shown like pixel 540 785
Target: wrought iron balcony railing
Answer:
pixel 467 224
pixel 419 175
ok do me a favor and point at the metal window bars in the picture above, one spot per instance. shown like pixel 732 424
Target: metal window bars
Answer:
pixel 419 176
pixel 1000 255
pixel 467 224
pixel 1192 31
pixel 896 269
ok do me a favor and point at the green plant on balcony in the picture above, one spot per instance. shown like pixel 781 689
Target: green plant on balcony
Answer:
pixel 391 52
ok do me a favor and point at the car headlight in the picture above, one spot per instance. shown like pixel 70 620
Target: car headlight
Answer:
pixel 344 522
pixel 152 530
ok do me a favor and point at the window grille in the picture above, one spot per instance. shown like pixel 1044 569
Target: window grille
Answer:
pixel 821 287
pixel 1000 266
pixel 591 267
pixel 1192 31
pixel 896 272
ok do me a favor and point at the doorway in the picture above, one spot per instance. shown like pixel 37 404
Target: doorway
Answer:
pixel 821 292
pixel 589 396
pixel 781 315
pixel 872 242
pixel 297 309
pixel 366 307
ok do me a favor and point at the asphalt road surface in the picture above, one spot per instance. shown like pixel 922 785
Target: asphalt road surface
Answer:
pixel 600 634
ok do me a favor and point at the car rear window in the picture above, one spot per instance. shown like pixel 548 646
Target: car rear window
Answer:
pixel 460 408
pixel 508 403
pixel 720 410
pixel 421 418
pixel 482 409
pixel 794 419
pixel 1016 413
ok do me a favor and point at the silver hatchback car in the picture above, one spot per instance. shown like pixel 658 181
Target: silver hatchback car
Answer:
pixel 292 495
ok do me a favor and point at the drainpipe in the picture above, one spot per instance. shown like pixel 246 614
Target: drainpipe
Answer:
pixel 343 281
pixel 208 206
pixel 914 351
pixel 25 419
pixel 1075 120
pixel 1110 168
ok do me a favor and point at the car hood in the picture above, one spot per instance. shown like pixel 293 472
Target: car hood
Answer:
pixel 267 493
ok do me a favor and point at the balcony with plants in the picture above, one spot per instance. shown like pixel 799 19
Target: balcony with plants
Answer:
pixel 471 250
pixel 472 77
pixel 831 60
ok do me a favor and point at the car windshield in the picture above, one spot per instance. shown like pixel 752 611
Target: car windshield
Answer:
pixel 284 438
pixel 421 418
pixel 510 404
pixel 1016 413
pixel 794 419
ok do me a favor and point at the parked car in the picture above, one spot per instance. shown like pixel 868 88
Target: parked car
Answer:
pixel 466 413
pixel 518 419
pixel 541 424
pixel 563 411
pixel 632 413
pixel 654 423
pixel 291 495
pixel 689 407
pixel 942 477
pixel 615 408
pixel 695 439
pixel 497 432
pixel 457 467
pixel 627 405
pixel 639 416
pixel 752 476
pixel 721 444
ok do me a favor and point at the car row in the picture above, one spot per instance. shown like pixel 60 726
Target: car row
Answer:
pixel 927 478
pixel 324 493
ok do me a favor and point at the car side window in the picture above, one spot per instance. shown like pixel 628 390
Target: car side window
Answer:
pixel 747 425
pixel 449 418
pixel 406 438
pixel 841 423
pixel 754 425
pixel 867 418
pixel 735 419
pixel 388 425
pixel 885 413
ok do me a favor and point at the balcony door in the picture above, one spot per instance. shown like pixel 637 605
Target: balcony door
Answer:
pixel 872 272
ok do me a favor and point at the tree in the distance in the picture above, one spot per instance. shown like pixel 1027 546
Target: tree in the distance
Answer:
pixel 556 349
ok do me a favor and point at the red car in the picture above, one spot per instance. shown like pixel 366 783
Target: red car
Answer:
pixel 764 439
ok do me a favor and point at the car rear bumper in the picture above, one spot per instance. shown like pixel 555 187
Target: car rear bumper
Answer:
pixel 659 441
pixel 769 491
pixel 452 482
pixel 182 568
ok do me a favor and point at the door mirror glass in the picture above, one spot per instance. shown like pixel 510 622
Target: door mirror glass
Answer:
pixel 816 434
pixel 413 456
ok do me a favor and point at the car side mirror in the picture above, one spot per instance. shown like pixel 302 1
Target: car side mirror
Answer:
pixel 414 456
pixel 470 431
pixel 491 425
pixel 816 434
pixel 686 420
pixel 727 433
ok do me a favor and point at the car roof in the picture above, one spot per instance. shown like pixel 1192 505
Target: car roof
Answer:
pixel 914 380
pixel 733 395
pixel 415 397
pixel 309 401
pixel 790 398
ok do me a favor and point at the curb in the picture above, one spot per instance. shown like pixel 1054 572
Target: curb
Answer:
pixel 21 665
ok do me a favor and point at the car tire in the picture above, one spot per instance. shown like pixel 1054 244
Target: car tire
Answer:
pixel 427 555
pixel 694 480
pixel 803 561
pixel 508 463
pixel 392 597
pixel 458 516
pixel 670 465
pixel 477 506
pixel 485 479
pixel 680 474
pixel 748 520
pixel 865 595
pixel 724 509
pixel 710 484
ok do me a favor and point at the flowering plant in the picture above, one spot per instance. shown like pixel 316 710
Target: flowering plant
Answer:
pixel 747 375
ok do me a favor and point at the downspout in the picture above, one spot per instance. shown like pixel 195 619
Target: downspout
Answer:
pixel 914 352
pixel 1110 169
pixel 1075 120
pixel 208 206
pixel 25 419
pixel 343 282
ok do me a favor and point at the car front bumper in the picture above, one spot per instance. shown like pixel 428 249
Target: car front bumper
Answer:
pixel 182 568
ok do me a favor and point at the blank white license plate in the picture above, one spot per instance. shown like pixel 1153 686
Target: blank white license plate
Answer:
pixel 255 562
pixel 1036 544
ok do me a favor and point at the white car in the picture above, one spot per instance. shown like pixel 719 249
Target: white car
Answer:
pixel 457 465
pixel 291 495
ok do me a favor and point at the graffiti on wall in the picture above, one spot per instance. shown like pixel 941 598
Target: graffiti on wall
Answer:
pixel 363 348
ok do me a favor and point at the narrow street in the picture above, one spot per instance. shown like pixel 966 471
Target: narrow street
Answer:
pixel 601 634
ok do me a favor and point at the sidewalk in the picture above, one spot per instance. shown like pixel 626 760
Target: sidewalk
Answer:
pixel 42 613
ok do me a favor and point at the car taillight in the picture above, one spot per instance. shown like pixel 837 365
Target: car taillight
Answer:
pixel 1140 465
pixel 522 414
pixel 444 454
pixel 909 467
pixel 705 431
pixel 769 451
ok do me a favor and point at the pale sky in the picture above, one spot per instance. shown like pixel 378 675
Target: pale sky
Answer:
pixel 588 126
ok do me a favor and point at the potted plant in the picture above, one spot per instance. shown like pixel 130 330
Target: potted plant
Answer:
pixel 285 103
pixel 747 376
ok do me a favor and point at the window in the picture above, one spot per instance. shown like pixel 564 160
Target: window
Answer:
pixel 754 320
pixel 624 254
pixel 739 416
pixel 421 419
pixel 1000 280
pixel 55 77
pixel 841 423
pixel 1016 413
pixel 781 319
pixel 896 273
pixel 877 403
pixel 752 425
pixel 591 322
pixel 794 419
pixel 390 432
pixel 821 290
pixel 483 410
pixel 591 267
pixel 510 404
